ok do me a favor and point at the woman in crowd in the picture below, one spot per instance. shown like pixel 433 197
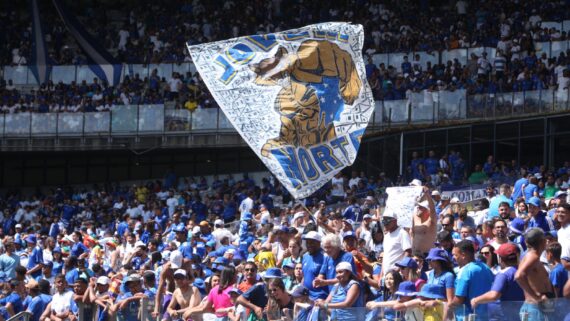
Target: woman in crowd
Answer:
pixel 293 252
pixel 346 294
pixel 279 300
pixel 219 297
pixel 490 258
pixel 392 281
pixel 442 272
pixel 409 271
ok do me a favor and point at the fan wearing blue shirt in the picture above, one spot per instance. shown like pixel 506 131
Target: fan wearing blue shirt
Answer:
pixel 415 165
pixel 312 261
pixel 431 163
pixel 353 211
pixel 503 197
pixel 538 218
pixel 35 258
pixel 333 248
pixel 127 304
pixel 474 279
pixel 505 287
pixel 78 247
pixel 531 189
pixel 12 303
pixel 38 302
pixel 558 275
pixel 518 187
pixel 9 261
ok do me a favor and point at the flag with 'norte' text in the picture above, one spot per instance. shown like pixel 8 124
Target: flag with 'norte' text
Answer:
pixel 299 98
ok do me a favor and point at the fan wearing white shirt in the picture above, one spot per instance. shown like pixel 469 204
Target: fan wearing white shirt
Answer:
pixel 171 202
pixel 247 204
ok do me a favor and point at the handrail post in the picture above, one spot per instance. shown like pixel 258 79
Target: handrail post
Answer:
pixel 138 119
pixel 81 311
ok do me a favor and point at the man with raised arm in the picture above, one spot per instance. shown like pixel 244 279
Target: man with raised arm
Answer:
pixel 424 224
pixel 533 278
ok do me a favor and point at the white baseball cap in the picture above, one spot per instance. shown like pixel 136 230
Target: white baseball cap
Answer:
pixel 218 222
pixel 180 272
pixel 424 204
pixel 312 235
pixel 103 280
pixel 416 182
pixel 175 259
pixel 344 266
pixel 18 225
pixel 298 215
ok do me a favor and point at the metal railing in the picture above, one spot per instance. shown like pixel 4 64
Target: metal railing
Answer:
pixel 426 107
pixel 557 309
pixel 21 316
pixel 22 75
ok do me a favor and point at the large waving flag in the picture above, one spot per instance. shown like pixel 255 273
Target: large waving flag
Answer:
pixel 40 64
pixel 299 98
pixel 105 66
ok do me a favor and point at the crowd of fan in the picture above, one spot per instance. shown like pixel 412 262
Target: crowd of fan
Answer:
pixel 508 71
pixel 153 33
pixel 186 91
pixel 391 27
pixel 233 250
pixel 450 169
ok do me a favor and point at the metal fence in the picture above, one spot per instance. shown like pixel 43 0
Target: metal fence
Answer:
pixel 21 75
pixel 557 309
pixel 427 107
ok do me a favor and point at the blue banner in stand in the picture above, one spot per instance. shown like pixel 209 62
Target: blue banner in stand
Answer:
pixel 299 98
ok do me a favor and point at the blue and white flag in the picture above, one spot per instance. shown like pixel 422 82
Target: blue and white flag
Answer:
pixel 40 64
pixel 103 65
pixel 299 98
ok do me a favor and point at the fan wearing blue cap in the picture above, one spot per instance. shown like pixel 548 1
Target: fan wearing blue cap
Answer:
pixel 417 309
pixel 57 260
pixel 406 292
pixel 35 256
pixel 47 272
pixel 538 218
pixel 442 273
pixel 409 271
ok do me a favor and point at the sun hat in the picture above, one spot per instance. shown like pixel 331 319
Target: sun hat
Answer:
pixel 273 273
pixel 407 262
pixel 432 291
pixel 407 288
pixel 312 235
pixel 437 254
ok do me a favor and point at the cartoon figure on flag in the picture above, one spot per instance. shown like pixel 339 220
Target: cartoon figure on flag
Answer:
pixel 316 82
pixel 299 98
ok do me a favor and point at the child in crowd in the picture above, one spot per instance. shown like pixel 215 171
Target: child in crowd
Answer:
pixel 406 292
pixel 429 300
pixel 558 275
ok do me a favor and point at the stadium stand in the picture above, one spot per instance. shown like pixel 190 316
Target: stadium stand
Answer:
pixel 487 241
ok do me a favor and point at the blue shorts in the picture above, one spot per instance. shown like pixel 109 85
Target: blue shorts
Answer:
pixel 534 312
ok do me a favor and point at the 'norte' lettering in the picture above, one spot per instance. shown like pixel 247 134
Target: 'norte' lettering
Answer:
pixel 303 165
